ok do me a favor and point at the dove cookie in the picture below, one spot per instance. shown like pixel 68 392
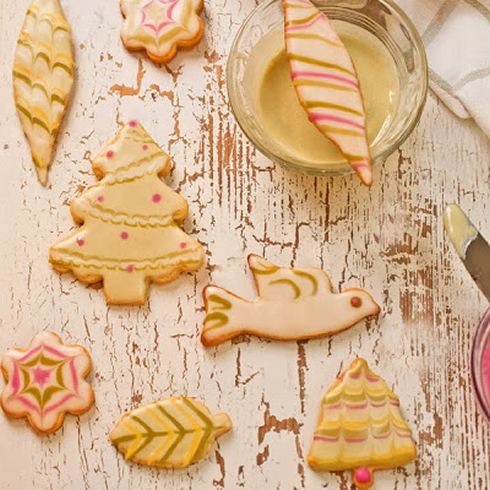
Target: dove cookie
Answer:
pixel 170 433
pixel 293 304
pixel 46 381
pixel 326 82
pixel 361 428
pixel 131 232
pixel 43 78
pixel 161 26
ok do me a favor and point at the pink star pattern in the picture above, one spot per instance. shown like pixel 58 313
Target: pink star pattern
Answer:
pixel 46 381
pixel 156 15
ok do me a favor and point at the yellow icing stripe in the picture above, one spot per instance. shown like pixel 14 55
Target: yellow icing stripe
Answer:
pixel 316 62
pixel 316 37
pixel 301 82
pixel 304 20
pixel 159 451
pixel 197 429
pixel 312 104
pixel 345 132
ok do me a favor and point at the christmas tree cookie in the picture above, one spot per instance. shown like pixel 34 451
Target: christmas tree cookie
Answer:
pixel 161 26
pixel 326 82
pixel 131 233
pixel 361 428
pixel 293 304
pixel 170 433
pixel 46 381
pixel 43 78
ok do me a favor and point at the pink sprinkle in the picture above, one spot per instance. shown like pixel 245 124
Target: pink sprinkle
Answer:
pixel 145 147
pixel 130 268
pixel 133 124
pixel 156 198
pixel 124 235
pixel 363 475
pixel 100 199
pixel 183 245
pixel 110 154
pixel 81 242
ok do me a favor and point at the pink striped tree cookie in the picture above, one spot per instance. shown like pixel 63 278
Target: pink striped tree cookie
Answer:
pixel 46 381
pixel 361 427
pixel 326 82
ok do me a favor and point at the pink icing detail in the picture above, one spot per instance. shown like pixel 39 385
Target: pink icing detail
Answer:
pixel 133 124
pixel 297 74
pixel 30 353
pixel 156 198
pixel 354 440
pixel 395 404
pixel 334 407
pixel 304 26
pixel 28 404
pixel 49 349
pixel 100 199
pixel 183 245
pixel 355 376
pixel 315 116
pixel 110 154
pixel 41 376
pixel 325 439
pixel 371 379
pixel 485 369
pixel 80 242
pixel 362 475
pixel 74 376
pixel 356 165
pixel 16 379
pixel 356 302
pixel 130 268
pixel 145 147
pixel 60 403
pixel 356 407
pixel 124 235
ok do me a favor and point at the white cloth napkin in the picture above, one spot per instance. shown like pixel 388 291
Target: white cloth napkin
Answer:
pixel 456 34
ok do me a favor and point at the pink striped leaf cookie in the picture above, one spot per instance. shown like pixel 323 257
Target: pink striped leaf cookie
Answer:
pixel 46 381
pixel 326 82
pixel 361 427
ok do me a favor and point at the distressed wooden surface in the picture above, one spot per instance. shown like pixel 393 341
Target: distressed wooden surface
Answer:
pixel 388 240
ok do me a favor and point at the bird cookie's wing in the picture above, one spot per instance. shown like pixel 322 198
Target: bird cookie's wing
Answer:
pixel 281 283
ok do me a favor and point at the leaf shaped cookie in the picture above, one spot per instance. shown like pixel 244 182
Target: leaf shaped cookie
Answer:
pixel 326 82
pixel 170 433
pixel 161 26
pixel 43 78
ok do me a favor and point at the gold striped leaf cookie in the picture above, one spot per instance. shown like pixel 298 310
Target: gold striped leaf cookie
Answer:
pixel 361 427
pixel 326 82
pixel 43 77
pixel 170 433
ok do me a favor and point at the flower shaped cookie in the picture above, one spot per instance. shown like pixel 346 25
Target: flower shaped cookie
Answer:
pixel 46 381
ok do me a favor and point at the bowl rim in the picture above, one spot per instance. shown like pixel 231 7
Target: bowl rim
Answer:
pixel 310 170
pixel 481 332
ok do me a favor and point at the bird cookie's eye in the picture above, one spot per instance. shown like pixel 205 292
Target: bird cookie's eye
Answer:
pixel 356 302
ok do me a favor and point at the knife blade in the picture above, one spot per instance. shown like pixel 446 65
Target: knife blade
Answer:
pixel 472 248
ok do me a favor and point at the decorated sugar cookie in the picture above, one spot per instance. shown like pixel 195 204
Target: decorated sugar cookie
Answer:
pixel 43 78
pixel 171 433
pixel 45 381
pixel 161 26
pixel 131 233
pixel 361 428
pixel 326 82
pixel 293 304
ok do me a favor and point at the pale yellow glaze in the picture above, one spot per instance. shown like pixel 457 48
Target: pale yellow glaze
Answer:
pixel 459 228
pixel 285 119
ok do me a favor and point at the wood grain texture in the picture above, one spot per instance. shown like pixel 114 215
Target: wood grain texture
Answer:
pixel 388 240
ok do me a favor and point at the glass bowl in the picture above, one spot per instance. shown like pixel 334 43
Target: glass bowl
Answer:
pixel 383 19
pixel 481 380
